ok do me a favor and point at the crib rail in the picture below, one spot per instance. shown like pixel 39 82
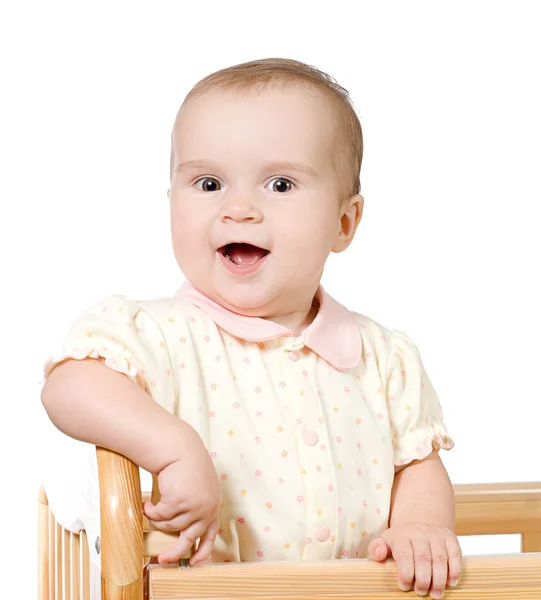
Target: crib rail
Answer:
pixel 514 577
pixel 500 508
pixel 121 521
pixel 482 509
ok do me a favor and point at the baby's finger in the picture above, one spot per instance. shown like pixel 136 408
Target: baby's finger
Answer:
pixel 422 557
pixel 182 546
pixel 177 523
pixel 455 561
pixel 378 549
pixel 206 544
pixel 439 568
pixel 160 511
pixel 403 556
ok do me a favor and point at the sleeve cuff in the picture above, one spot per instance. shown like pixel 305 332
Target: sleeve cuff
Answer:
pixel 418 444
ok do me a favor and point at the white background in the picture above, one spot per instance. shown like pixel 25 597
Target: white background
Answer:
pixel 448 96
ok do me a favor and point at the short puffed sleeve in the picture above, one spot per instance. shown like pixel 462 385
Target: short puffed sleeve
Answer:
pixel 123 333
pixel 414 409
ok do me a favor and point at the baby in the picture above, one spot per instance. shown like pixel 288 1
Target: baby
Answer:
pixel 280 425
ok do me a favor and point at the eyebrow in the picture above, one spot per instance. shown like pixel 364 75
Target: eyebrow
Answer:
pixel 193 164
pixel 284 165
pixel 274 165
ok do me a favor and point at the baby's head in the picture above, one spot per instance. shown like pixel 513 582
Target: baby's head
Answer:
pixel 265 164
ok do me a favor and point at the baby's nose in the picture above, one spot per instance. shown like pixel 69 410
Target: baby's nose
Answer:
pixel 241 210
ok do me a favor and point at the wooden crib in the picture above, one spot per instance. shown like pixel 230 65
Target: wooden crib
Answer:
pixel 126 543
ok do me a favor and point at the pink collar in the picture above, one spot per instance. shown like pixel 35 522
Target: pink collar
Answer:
pixel 333 334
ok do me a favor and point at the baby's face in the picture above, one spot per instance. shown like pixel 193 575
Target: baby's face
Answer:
pixel 255 208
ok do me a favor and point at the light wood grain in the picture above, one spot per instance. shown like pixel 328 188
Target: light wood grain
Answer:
pixel 518 593
pixel 498 508
pixel 510 577
pixel 531 542
pixel 59 563
pixel 76 562
pixel 43 546
pixel 52 556
pixel 67 564
pixel 86 566
pixel 121 521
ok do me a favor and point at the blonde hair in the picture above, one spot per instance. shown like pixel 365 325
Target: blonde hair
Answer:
pixel 256 75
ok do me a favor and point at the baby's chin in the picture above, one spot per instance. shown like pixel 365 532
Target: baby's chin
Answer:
pixel 248 300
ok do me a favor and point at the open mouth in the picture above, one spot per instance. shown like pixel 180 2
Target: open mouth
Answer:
pixel 242 254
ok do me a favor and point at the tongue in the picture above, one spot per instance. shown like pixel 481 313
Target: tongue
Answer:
pixel 244 254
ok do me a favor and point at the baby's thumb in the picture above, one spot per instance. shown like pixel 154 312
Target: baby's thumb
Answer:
pixel 378 549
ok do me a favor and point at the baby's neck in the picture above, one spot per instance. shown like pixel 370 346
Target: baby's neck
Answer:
pixel 296 322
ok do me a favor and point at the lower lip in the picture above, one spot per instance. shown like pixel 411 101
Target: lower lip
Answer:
pixel 242 269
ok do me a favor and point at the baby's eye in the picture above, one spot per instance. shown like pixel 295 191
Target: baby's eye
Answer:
pixel 208 184
pixel 280 185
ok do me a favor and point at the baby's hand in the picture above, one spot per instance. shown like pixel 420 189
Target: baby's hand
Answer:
pixel 424 554
pixel 190 503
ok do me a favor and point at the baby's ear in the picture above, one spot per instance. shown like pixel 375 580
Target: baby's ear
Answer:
pixel 349 221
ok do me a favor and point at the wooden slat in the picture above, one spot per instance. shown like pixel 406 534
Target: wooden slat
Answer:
pixel 52 556
pixel 531 542
pixel 86 566
pixel 514 593
pixel 67 564
pixel 510 577
pixel 121 523
pixel 43 546
pixel 155 542
pixel 59 570
pixel 76 562
pixel 498 508
pixel 495 492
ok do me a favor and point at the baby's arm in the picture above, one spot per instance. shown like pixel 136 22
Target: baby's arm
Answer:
pixel 420 536
pixel 113 386
pixel 423 493
pixel 93 403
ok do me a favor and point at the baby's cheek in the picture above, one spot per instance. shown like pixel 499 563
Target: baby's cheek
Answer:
pixel 187 237
pixel 189 257
pixel 314 241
